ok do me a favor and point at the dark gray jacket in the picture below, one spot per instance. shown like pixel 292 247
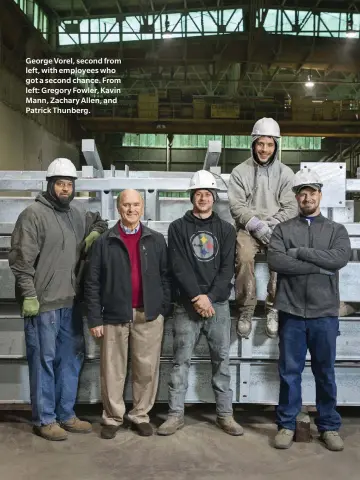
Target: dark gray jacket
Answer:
pixel 45 248
pixel 301 287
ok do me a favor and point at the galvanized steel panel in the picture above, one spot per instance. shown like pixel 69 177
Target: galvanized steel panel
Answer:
pixel 333 176
pixel 201 351
pixel 7 281
pixel 172 208
pixel 250 382
pixel 14 381
pixel 259 383
pixel 259 346
pixel 344 215
pixel 11 207
pixel 349 282
pixel 12 338
pixel 199 389
pixel 5 243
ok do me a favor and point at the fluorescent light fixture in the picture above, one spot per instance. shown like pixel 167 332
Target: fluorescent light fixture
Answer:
pixel 167 33
pixel 309 83
pixel 351 34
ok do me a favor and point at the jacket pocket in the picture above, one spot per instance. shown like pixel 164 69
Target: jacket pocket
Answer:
pixel 60 286
pixel 150 260
pixel 322 292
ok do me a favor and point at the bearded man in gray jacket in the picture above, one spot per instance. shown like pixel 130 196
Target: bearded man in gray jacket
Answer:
pixel 260 197
pixel 307 253
pixel 46 244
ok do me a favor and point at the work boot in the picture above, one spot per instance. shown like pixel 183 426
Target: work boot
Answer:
pixel 347 309
pixel 74 425
pixel 144 429
pixel 332 441
pixel 244 322
pixel 109 431
pixel 272 323
pixel 173 423
pixel 229 425
pixel 53 432
pixel 284 439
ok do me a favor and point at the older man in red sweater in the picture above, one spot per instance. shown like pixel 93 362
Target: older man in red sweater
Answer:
pixel 127 291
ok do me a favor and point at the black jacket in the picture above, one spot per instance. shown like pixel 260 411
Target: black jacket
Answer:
pixel 108 293
pixel 301 287
pixel 201 254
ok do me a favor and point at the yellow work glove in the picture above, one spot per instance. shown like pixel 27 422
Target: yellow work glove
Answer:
pixel 31 307
pixel 90 239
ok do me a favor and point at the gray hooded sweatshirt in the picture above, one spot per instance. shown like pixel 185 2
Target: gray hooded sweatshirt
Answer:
pixel 45 248
pixel 261 191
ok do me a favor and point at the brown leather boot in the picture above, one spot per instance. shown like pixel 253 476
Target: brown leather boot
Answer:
pixel 229 425
pixel 74 425
pixel 173 423
pixel 53 432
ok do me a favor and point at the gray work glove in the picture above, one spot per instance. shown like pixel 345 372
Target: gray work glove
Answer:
pixel 272 222
pixel 292 252
pixel 259 230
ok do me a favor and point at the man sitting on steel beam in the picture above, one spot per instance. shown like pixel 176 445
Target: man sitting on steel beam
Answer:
pixel 128 294
pixel 260 197
pixel 201 254
pixel 307 253
pixel 46 244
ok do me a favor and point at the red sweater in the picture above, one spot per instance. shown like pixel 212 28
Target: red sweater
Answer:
pixel 132 244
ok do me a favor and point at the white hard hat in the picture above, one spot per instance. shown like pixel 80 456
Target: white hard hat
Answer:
pixel 61 167
pixel 306 177
pixel 266 127
pixel 203 179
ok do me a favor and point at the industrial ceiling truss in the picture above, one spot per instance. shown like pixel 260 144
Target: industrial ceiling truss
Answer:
pixel 261 56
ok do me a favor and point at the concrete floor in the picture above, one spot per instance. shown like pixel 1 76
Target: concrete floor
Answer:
pixel 200 451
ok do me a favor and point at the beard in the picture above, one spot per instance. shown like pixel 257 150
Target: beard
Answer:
pixel 308 209
pixel 64 199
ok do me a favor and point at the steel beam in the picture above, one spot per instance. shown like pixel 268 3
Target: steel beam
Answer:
pixel 88 147
pixel 102 11
pixel 340 129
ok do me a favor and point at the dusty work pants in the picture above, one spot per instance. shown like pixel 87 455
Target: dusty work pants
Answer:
pixel 145 346
pixel 245 284
pixel 186 333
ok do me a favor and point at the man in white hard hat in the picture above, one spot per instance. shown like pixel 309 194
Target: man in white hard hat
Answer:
pixel 45 246
pixel 307 253
pixel 128 294
pixel 260 197
pixel 201 254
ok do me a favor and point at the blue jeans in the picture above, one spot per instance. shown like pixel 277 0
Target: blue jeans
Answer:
pixel 296 335
pixel 186 333
pixel 55 354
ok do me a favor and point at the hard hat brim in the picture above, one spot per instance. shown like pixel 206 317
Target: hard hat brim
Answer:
pixel 317 186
